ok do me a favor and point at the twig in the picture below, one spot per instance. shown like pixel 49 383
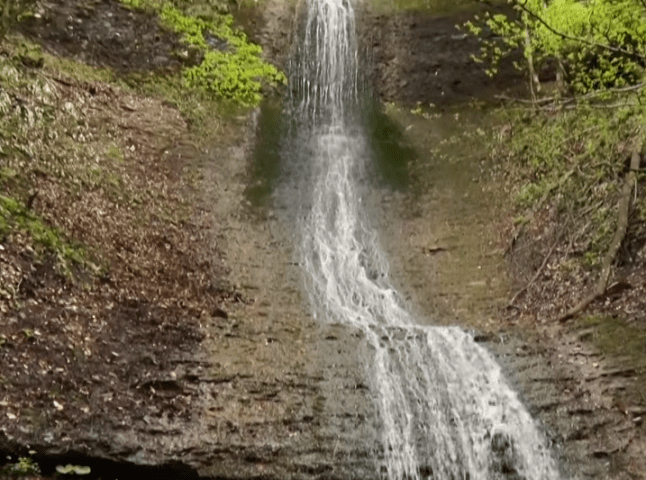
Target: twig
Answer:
pixel 550 101
pixel 620 233
pixel 533 78
pixel 531 102
pixel 60 80
pixel 534 278
pixel 605 106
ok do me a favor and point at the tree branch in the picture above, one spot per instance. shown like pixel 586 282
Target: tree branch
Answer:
pixel 565 100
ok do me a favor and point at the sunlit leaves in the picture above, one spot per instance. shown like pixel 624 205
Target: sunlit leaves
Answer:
pixel 599 44
pixel 231 66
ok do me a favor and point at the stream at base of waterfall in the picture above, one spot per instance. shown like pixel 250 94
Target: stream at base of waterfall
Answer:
pixel 445 410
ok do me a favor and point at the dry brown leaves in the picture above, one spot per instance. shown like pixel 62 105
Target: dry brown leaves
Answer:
pixel 111 171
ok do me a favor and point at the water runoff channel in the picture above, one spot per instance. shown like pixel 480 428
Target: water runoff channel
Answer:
pixel 445 410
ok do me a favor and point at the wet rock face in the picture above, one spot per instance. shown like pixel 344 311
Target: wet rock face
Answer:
pixel 424 58
pixel 295 402
pixel 104 34
pixel 271 24
pixel 503 456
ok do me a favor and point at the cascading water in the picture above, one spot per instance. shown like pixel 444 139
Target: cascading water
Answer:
pixel 446 411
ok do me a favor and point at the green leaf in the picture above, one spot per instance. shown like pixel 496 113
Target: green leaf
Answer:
pixel 70 469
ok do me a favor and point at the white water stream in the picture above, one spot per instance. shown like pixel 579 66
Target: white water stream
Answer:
pixel 446 411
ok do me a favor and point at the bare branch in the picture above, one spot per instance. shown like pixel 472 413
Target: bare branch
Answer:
pixel 549 102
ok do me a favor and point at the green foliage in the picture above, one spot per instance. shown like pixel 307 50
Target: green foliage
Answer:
pixel 73 469
pixel 433 6
pixel 573 161
pixel 115 153
pixel 231 66
pixel 25 466
pixel 529 194
pixel 140 4
pixel 598 44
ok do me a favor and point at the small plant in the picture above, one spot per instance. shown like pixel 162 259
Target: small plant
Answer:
pixel 25 466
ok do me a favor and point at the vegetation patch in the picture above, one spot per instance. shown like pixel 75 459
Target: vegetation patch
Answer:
pixel 572 152
pixel 575 159
pixel 25 466
pixel 14 216
pixel 199 108
pixel 590 45
pixel 231 67
pixel 77 71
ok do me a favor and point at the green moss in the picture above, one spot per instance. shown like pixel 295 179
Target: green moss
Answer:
pixel 31 55
pixel 7 173
pixel 78 71
pixel 142 4
pixel 115 153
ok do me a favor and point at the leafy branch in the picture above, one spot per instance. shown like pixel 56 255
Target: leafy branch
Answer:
pixel 523 7
pixel 593 46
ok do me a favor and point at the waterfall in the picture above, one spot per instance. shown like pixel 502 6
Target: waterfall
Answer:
pixel 445 410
